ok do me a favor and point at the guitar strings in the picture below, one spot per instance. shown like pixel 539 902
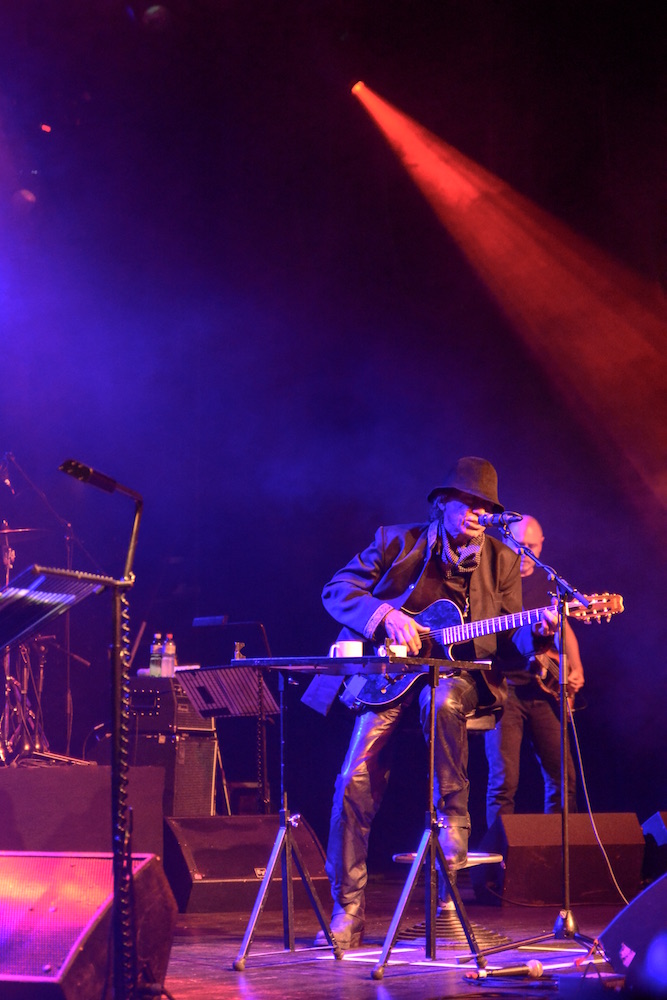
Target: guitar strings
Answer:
pixel 489 626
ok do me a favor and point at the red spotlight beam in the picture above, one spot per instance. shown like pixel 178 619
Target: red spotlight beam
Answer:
pixel 598 330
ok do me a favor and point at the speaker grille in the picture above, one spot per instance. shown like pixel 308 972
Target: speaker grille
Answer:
pixel 630 934
pixel 194 778
pixel 48 904
pixel 218 864
pixel 41 915
pixel 189 762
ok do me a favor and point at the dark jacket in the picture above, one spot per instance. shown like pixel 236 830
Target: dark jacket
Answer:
pixel 382 577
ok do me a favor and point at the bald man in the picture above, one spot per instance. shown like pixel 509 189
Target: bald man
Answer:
pixel 532 707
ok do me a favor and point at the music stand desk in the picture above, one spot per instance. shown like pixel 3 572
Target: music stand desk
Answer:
pixel 34 597
pixel 231 689
pixel 344 665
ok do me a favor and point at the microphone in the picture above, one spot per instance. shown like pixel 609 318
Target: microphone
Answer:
pixel 4 473
pixel 85 474
pixel 499 520
pixel 532 970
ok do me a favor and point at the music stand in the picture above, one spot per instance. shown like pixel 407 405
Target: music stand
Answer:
pixel 255 628
pixel 36 596
pixel 238 692
pixel 214 691
pixel 26 603
pixel 219 692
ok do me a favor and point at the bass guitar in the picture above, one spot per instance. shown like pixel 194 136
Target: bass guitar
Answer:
pixel 548 679
pixel 446 629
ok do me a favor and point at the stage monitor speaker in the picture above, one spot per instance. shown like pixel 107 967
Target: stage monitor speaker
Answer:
pixel 67 807
pixel 217 864
pixel 628 937
pixel 531 845
pixel 55 924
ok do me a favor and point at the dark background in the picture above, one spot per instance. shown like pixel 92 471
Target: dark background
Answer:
pixel 228 295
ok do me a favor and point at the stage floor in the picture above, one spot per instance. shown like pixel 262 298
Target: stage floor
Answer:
pixel 206 945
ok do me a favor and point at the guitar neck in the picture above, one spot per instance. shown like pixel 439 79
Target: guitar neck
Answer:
pixel 488 626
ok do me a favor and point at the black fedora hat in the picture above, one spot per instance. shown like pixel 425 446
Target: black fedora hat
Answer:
pixel 475 476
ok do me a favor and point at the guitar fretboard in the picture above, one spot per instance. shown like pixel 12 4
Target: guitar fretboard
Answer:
pixel 488 626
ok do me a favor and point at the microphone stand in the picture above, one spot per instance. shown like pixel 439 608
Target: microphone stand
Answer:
pixel 566 925
pixel 124 941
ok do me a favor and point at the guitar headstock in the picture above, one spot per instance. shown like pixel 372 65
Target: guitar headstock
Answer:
pixel 601 607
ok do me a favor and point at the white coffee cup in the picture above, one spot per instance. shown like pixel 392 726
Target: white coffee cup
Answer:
pixel 347 647
pixel 394 649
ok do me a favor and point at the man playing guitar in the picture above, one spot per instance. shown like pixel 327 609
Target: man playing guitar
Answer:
pixel 377 597
pixel 532 706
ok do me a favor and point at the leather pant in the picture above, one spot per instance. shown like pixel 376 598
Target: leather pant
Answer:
pixel 363 779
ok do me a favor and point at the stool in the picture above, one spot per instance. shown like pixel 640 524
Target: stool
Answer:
pixel 476 723
pixel 449 930
pixel 481 723
pixel 474 858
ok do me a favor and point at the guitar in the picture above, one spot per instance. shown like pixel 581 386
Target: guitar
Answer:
pixel 446 629
pixel 548 678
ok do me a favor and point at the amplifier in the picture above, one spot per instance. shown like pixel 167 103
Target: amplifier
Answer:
pixel 159 705
pixel 189 760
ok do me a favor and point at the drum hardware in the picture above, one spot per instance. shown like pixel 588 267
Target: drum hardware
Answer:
pixel 8 559
pixel 9 467
pixel 6 530
pixel 10 471
pixel 22 730
pixel 22 725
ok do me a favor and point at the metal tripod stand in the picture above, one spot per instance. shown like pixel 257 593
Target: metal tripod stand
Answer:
pixel 285 850
pixel 430 853
pixel 23 732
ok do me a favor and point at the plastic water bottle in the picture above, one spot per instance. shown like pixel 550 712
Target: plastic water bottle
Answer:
pixel 155 662
pixel 169 656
